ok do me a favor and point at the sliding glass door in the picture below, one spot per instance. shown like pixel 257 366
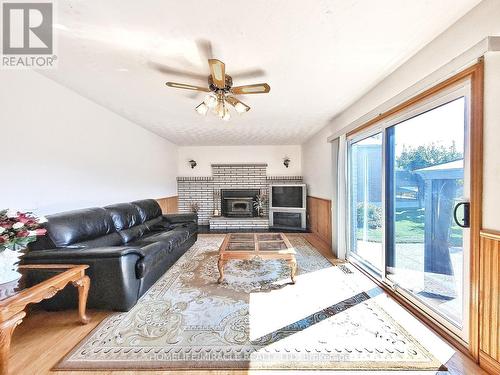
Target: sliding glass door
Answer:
pixel 425 183
pixel 408 205
pixel 365 182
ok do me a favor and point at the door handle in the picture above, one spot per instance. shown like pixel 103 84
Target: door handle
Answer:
pixel 466 220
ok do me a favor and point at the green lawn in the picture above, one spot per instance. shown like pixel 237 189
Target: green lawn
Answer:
pixel 410 228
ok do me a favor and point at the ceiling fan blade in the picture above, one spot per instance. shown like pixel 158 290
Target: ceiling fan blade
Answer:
pixel 218 72
pixel 187 87
pixel 238 105
pixel 165 69
pixel 248 73
pixel 258 88
pixel 204 49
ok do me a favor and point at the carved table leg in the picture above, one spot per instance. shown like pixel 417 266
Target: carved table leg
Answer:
pixel 221 264
pixel 293 269
pixel 83 291
pixel 6 330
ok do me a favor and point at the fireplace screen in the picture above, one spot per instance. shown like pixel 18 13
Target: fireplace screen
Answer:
pixel 239 206
pixel 238 202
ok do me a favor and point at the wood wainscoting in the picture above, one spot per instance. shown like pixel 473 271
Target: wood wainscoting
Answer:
pixel 489 305
pixel 169 205
pixel 319 218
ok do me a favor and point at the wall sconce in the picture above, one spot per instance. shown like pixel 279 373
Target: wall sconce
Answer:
pixel 286 161
pixel 192 163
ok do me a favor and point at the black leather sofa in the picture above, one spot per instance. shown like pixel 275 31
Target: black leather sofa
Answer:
pixel 127 246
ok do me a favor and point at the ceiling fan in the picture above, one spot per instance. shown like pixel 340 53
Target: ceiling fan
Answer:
pixel 221 91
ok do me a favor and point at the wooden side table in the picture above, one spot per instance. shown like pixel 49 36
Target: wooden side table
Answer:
pixel 14 297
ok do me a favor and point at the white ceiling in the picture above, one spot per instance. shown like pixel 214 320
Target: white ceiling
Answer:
pixel 318 56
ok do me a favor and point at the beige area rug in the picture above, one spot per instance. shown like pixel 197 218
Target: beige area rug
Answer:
pixel 255 319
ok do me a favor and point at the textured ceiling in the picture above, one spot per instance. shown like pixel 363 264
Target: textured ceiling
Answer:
pixel 318 56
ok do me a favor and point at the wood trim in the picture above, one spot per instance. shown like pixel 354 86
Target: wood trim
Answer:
pixel 463 75
pixel 320 199
pixel 488 363
pixel 491 234
pixel 475 74
pixel 489 307
pixel 319 218
pixel 169 205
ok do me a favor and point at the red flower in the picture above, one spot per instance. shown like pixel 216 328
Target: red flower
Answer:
pixel 23 233
pixel 2 239
pixel 41 232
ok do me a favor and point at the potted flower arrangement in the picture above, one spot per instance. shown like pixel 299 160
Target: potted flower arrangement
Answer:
pixel 194 207
pixel 17 230
pixel 259 202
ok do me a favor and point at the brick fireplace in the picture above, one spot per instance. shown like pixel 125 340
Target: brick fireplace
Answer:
pixel 207 192
pixel 238 202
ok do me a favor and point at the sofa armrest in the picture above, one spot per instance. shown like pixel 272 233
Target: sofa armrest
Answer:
pixel 84 253
pixel 116 274
pixel 181 218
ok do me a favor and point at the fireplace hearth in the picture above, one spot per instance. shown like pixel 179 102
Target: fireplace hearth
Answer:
pixel 238 202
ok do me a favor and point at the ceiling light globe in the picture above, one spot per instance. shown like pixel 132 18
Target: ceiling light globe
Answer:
pixel 210 101
pixel 219 109
pixel 202 109
pixel 241 108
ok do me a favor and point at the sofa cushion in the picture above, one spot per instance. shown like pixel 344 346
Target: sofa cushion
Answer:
pixel 148 248
pixel 112 239
pixel 127 221
pixel 190 227
pixel 183 232
pixel 157 224
pixel 124 215
pixel 71 227
pixel 133 233
pixel 170 239
pixel 148 209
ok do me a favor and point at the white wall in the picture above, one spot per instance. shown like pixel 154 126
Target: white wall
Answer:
pixel 317 165
pixel 480 22
pixel 207 155
pixel 491 159
pixel 61 151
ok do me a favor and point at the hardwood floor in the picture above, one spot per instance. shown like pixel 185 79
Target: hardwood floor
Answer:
pixel 45 337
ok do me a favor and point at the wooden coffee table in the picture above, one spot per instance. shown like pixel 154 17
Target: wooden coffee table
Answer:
pixel 38 282
pixel 256 245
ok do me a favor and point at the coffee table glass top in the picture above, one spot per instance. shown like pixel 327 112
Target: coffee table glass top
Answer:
pixel 30 276
pixel 253 241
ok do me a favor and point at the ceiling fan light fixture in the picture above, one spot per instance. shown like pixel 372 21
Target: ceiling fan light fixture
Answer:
pixel 241 108
pixel 221 92
pixel 210 101
pixel 202 109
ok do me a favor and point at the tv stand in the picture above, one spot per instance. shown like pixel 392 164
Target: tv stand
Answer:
pixel 287 218
pixel 287 206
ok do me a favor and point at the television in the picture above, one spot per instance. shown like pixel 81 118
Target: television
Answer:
pixel 288 196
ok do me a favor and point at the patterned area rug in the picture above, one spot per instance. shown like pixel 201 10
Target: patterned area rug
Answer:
pixel 254 319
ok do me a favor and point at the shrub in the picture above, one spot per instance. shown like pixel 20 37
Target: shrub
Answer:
pixel 374 215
